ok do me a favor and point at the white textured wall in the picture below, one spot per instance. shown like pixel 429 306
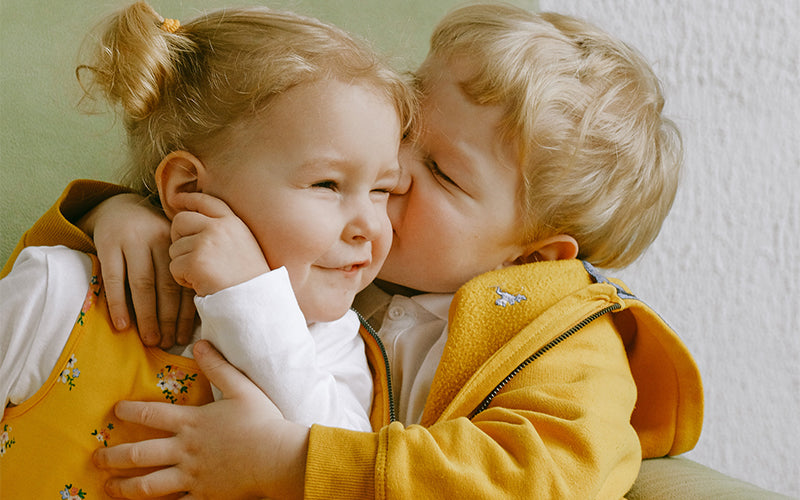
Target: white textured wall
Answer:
pixel 726 267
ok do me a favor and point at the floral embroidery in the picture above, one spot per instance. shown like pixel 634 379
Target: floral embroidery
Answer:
pixel 91 298
pixel 72 493
pixel 103 435
pixel 5 439
pixel 70 373
pixel 175 383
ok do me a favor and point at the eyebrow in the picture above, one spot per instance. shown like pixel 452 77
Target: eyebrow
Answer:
pixel 320 165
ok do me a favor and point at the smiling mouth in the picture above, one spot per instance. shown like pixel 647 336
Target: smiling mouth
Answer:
pixel 354 267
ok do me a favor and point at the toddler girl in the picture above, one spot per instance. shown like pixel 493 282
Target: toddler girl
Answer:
pixel 271 141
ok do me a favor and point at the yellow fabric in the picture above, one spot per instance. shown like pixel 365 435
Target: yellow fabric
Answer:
pixel 49 438
pixel 560 428
pixel 574 423
pixel 78 197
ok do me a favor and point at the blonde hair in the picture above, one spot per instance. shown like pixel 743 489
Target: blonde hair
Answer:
pixel 599 160
pixel 185 89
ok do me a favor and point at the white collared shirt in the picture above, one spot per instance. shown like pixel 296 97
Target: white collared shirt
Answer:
pixel 414 332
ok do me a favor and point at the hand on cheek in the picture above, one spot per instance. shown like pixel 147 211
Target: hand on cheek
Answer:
pixel 212 248
pixel 238 447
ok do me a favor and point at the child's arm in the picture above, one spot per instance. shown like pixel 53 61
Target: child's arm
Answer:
pixel 132 239
pixel 57 225
pixel 132 251
pixel 560 429
pixel 314 374
pixel 234 448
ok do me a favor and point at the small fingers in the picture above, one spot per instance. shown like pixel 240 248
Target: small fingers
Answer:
pixel 186 317
pixel 158 483
pixel 162 416
pixel 187 224
pixel 113 269
pixel 152 453
pixel 141 277
pixel 163 452
pixel 230 381
pixel 168 297
pixel 202 203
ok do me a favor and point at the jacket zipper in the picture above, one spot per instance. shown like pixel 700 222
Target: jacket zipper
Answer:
pixel 365 323
pixel 564 336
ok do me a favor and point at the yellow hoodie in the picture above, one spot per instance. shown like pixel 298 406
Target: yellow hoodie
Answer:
pixel 554 383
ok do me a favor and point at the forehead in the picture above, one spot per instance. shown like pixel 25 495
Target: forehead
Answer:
pixel 324 108
pixel 444 100
pixel 453 121
pixel 328 120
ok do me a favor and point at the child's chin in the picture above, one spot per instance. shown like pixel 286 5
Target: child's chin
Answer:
pixel 330 312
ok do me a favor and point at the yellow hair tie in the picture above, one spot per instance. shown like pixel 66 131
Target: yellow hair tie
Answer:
pixel 170 25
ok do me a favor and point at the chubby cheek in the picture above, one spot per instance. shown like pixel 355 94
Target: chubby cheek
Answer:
pixel 291 240
pixel 382 244
pixel 424 254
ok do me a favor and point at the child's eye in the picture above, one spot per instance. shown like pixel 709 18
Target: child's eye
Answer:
pixel 434 168
pixel 385 187
pixel 382 192
pixel 332 185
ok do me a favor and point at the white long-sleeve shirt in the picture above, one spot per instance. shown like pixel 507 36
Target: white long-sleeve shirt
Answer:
pixel 314 373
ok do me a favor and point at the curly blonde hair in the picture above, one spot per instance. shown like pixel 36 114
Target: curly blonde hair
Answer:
pixel 183 90
pixel 599 160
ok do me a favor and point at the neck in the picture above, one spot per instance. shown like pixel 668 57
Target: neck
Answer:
pixel 395 289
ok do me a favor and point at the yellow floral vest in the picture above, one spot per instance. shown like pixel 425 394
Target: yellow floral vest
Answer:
pixel 47 442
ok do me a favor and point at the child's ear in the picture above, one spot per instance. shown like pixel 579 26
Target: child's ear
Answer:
pixel 558 247
pixel 178 172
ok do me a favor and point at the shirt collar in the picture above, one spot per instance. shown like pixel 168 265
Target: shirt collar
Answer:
pixel 436 303
pixel 372 303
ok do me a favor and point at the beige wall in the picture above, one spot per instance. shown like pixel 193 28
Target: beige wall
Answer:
pixel 45 142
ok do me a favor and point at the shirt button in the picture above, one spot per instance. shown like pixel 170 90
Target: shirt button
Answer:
pixel 396 312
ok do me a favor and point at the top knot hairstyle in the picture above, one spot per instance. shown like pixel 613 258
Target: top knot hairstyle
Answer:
pixel 183 88
pixel 599 160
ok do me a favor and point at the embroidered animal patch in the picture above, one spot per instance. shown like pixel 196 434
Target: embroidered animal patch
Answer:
pixel 507 299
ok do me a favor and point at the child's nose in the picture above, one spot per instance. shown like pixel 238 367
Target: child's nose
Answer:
pixel 366 223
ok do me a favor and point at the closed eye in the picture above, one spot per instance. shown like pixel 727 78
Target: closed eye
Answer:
pixel 332 185
pixel 386 187
pixel 383 190
pixel 434 168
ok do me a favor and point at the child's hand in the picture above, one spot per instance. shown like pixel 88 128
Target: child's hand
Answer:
pixel 212 248
pixel 132 241
pixel 238 447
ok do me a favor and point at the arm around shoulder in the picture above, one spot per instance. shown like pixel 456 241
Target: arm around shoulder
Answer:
pixel 58 226
pixel 560 429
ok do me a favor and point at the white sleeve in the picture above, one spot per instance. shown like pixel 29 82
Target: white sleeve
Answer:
pixel 319 378
pixel 40 300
